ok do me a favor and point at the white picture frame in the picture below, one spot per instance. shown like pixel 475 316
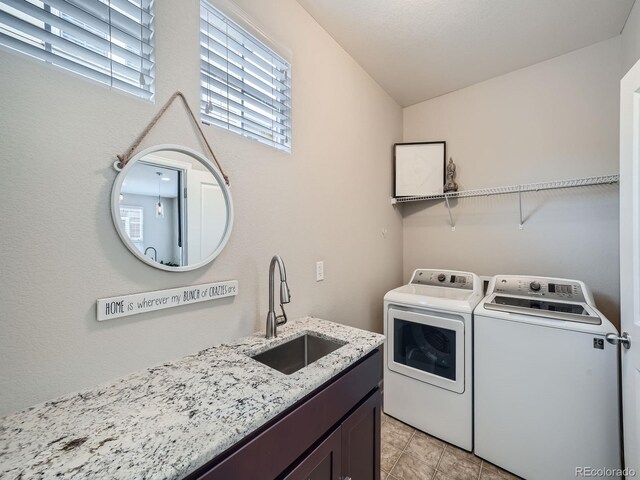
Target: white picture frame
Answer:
pixel 419 168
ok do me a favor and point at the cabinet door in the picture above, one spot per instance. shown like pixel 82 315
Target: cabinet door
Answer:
pixel 323 463
pixel 361 441
pixel 276 446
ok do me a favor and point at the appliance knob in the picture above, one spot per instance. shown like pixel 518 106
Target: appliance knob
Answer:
pixel 442 277
pixel 535 286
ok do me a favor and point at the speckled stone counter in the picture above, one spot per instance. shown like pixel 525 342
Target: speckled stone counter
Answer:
pixel 165 422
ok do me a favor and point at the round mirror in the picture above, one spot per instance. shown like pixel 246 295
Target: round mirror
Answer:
pixel 172 208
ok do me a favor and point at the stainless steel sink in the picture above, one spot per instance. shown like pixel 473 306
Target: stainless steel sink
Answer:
pixel 295 354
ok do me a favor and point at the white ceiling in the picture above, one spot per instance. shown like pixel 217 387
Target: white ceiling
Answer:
pixel 142 179
pixel 419 49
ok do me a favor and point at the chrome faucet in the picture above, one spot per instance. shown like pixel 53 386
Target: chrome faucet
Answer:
pixel 155 253
pixel 285 297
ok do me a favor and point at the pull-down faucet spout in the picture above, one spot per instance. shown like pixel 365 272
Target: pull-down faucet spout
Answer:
pixel 285 297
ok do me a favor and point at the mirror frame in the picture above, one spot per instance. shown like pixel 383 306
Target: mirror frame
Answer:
pixel 115 205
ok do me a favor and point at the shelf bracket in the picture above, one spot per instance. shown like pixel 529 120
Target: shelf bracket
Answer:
pixel 453 226
pixel 520 205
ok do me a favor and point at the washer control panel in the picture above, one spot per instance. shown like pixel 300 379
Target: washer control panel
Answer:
pixel 443 278
pixel 539 287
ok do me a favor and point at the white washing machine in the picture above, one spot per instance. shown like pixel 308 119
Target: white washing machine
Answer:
pixel 546 380
pixel 427 370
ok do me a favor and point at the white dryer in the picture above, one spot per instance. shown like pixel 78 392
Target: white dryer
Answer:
pixel 546 381
pixel 428 326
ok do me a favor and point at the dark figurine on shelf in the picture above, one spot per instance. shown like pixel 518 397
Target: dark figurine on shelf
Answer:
pixel 451 185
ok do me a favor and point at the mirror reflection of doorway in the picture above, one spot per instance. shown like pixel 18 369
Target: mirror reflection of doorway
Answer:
pixel 153 212
pixel 206 210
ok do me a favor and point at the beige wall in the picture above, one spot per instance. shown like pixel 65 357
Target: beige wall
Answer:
pixel 554 120
pixel 328 200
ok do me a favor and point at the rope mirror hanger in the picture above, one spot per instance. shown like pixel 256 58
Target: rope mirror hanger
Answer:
pixel 125 157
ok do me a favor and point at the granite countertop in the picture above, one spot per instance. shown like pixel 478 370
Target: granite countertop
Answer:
pixel 165 422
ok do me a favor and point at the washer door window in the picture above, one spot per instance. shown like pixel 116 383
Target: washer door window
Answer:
pixel 427 348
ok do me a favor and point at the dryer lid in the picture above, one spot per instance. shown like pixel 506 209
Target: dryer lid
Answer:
pixel 435 292
pixel 439 289
pixel 425 296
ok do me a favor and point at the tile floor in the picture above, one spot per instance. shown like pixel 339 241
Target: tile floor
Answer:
pixel 408 454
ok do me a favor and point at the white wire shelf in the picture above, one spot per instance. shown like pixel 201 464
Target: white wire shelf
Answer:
pixel 519 189
pixel 527 187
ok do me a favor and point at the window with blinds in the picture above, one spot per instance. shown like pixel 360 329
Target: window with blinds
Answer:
pixel 245 86
pixel 132 220
pixel 110 41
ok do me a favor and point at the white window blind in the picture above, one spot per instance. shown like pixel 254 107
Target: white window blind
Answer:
pixel 110 41
pixel 245 86
pixel 132 220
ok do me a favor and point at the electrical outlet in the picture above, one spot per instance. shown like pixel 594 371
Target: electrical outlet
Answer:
pixel 319 271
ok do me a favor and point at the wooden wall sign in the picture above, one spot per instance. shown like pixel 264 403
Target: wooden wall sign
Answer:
pixel 123 306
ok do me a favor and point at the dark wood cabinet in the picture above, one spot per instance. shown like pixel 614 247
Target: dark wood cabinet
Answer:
pixel 361 441
pixel 352 451
pixel 331 434
pixel 323 463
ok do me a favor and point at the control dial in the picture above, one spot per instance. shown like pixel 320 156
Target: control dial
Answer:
pixel 442 277
pixel 535 286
